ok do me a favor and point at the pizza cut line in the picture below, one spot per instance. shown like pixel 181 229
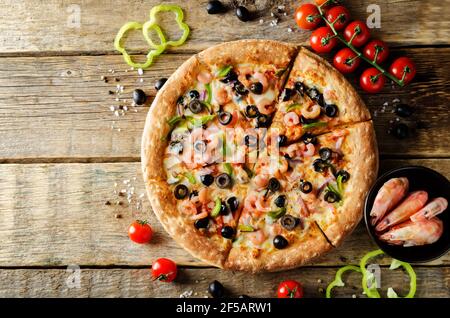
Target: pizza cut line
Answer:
pixel 257 156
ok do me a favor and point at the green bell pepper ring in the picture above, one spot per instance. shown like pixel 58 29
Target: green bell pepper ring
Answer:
pixel 337 282
pixel 412 276
pixel 216 210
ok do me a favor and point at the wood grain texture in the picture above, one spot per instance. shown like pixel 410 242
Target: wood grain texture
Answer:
pixel 55 214
pixel 48 26
pixel 58 107
pixel 431 282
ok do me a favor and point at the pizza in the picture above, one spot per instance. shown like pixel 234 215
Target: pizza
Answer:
pixel 257 156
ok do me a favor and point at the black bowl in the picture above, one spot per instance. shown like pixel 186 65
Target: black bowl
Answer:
pixel 420 178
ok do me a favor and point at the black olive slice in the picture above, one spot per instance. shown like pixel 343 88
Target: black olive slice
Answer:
pixel 331 110
pixel 263 121
pixel 331 197
pixel 305 186
pixel 251 111
pixel 207 179
pixel 223 180
pixel 233 203
pixel 193 94
pixel 280 242
pixel 201 223
pixel 325 153
pixel 256 88
pixel 200 146
pixel 181 191
pixel 288 222
pixel 274 185
pixel 319 165
pixel 227 232
pixel 300 88
pixel 225 118
pixel 309 138
pixel 196 106
pixel 344 175
pixel 280 201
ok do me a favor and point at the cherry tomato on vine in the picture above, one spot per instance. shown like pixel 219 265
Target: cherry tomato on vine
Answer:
pixel 164 269
pixel 403 68
pixel 339 16
pixel 140 232
pixel 372 80
pixel 323 40
pixel 307 16
pixel 346 61
pixel 357 33
pixel 290 289
pixel 376 48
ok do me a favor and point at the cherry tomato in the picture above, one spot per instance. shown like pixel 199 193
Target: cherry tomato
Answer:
pixel 323 40
pixel 339 16
pixel 403 68
pixel 346 61
pixel 370 50
pixel 307 16
pixel 290 289
pixel 140 232
pixel 357 33
pixel 372 80
pixel 164 269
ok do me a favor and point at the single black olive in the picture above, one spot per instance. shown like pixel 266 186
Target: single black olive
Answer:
pixel 344 175
pixel 256 88
pixel 250 141
pixel 180 100
pixel 224 209
pixel 196 106
pixel 319 165
pixel 181 191
pixel 207 179
pixel 176 147
pixel 201 223
pixel 280 201
pixel 225 118
pixel 282 140
pixel 331 197
pixel 200 146
pixel 193 94
pixel 251 111
pixel 287 94
pixel 160 83
pixel 223 180
pixel 325 153
pixel 216 289
pixel 227 232
pixel 300 88
pixel 400 131
pixel 288 222
pixel 262 121
pixel 331 110
pixel 280 242
pixel 240 89
pixel 193 194
pixel 233 203
pixel 230 77
pixel 139 96
pixel 305 186
pixel 215 7
pixel 305 121
pixel 315 95
pixel 403 110
pixel 309 138
pixel 243 14
pixel 274 185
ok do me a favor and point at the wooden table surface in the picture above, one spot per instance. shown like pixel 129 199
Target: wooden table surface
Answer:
pixel 64 155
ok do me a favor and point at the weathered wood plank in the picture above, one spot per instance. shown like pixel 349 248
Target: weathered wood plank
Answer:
pixel 51 26
pixel 431 282
pixel 55 214
pixel 58 107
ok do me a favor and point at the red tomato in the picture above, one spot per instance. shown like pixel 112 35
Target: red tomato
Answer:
pixel 403 68
pixel 140 232
pixel 164 269
pixel 339 16
pixel 290 289
pixel 323 40
pixel 346 61
pixel 372 80
pixel 357 33
pixel 370 50
pixel 307 16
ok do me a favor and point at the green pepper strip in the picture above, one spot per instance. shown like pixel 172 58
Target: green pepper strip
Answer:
pixel 129 26
pixel 337 282
pixel 412 276
pixel 216 210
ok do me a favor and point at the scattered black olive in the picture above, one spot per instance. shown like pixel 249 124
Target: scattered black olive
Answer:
pixel 309 138
pixel 280 242
pixel 243 14
pixel 325 153
pixel 287 94
pixel 244 296
pixel 300 88
pixel 139 96
pixel 250 141
pixel 263 121
pixel 319 165
pixel 287 156
pixel 274 184
pixel 160 83
pixel 251 111
pixel 227 232
pixel 305 121
pixel 230 77
pixel 225 118
pixel 216 289
pixel 240 89
pixel 194 94
pixel 331 197
pixel 224 209
pixel 181 191
pixel 223 180
pixel 200 146
pixel 180 100
pixel 176 147
pixel 282 140
pixel 256 88
pixel 400 131
pixel 201 223
pixel 280 201
pixel 305 186
pixel 215 7
pixel 196 106
pixel 331 110
pixel 403 110
pixel 233 203
pixel 345 175
pixel 288 222
pixel 193 194
pixel 207 179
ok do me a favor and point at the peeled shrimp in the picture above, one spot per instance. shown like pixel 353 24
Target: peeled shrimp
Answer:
pixel 261 180
pixel 435 207
pixel 311 112
pixel 188 207
pixel 265 106
pixel 291 119
pixel 204 77
pixel 199 216
pixel 221 96
pixel 257 237
pixel 203 196
pixel 298 150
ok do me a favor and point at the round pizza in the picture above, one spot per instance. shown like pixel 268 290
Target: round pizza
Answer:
pixel 257 156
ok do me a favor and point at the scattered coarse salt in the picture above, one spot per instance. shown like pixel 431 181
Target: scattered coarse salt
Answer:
pixel 125 108
pixel 396 100
pixel 385 104
pixel 140 71
pixel 141 80
pixel 186 294
pixel 289 30
pixel 116 113
pixel 261 21
pixel 353 296
pixel 319 280
pixel 112 108
pixel 272 14
pixel 281 7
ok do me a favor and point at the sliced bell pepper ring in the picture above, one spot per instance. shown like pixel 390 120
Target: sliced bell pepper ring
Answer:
pixel 338 282
pixel 216 210
pixel 412 276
